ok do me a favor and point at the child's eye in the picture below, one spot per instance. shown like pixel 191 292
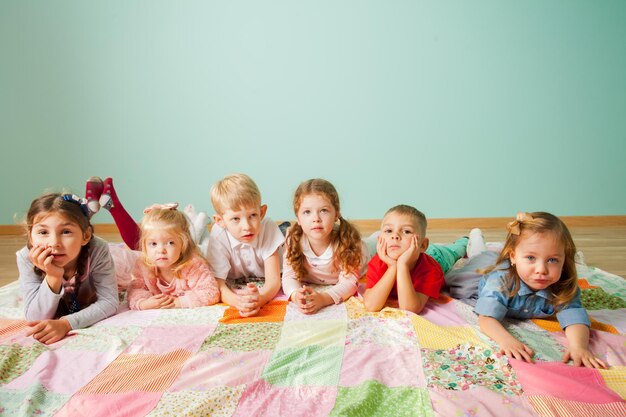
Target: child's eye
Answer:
pixel 171 243
pixel 307 212
pixel 67 232
pixel 252 216
pixel 387 231
pixel 324 211
pixel 553 261
pixel 42 232
pixel 152 244
pixel 530 258
pixel 235 219
pixel 407 232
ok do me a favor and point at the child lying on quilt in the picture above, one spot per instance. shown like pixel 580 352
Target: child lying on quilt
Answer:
pixel 67 278
pixel 405 265
pixel 319 251
pixel 534 276
pixel 243 245
pixel 171 272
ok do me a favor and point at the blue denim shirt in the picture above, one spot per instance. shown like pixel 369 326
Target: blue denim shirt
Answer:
pixel 526 304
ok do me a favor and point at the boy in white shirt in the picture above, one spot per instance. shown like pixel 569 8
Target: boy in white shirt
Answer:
pixel 243 245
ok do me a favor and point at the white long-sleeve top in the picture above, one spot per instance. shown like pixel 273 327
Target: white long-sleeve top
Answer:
pixel 321 270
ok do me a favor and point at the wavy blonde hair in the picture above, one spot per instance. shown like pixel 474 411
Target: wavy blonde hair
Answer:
pixel 345 238
pixel 565 289
pixel 176 223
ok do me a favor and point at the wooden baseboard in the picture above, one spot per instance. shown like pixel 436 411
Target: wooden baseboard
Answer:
pixel 372 224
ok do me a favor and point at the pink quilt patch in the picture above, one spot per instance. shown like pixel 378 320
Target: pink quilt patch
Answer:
pixel 218 367
pixel 63 371
pixel 262 399
pixel 563 381
pixel 164 339
pixel 479 402
pixel 371 362
pixel 120 404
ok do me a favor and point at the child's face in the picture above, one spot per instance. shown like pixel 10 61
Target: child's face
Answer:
pixel 396 231
pixel 538 259
pixel 317 217
pixel 163 248
pixel 64 237
pixel 243 223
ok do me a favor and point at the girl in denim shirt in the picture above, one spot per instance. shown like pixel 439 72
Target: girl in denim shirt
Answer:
pixel 535 276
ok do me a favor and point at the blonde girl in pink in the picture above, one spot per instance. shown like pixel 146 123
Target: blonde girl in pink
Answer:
pixel 321 248
pixel 171 272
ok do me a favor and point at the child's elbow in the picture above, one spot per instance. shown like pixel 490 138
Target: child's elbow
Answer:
pixel 370 305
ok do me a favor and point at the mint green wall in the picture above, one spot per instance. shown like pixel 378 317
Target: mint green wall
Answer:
pixel 463 109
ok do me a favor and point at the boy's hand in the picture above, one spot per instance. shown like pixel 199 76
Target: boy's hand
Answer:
pixel 49 331
pixel 42 258
pixel 381 250
pixel 248 301
pixel 411 255
pixel 517 350
pixel 584 357
pixel 157 301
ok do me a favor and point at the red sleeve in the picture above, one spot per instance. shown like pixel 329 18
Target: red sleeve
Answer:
pixel 427 276
pixel 375 271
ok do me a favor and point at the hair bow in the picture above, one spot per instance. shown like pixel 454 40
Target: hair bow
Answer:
pixel 514 226
pixel 167 206
pixel 82 202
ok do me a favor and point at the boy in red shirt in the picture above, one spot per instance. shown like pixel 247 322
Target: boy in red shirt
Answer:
pixel 403 266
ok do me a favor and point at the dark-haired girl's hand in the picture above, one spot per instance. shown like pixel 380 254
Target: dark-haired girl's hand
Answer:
pixel 48 331
pixel 42 258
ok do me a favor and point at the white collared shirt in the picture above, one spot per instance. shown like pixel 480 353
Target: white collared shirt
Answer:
pixel 230 259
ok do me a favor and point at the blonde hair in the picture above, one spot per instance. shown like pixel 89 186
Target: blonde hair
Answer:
pixel 346 238
pixel 565 289
pixel 233 192
pixel 175 222
pixel 417 216
pixel 67 206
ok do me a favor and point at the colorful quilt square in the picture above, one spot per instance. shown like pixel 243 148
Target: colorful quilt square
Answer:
pixel 75 371
pixel 371 362
pixel 311 365
pixel 245 337
pixel 356 310
pixel 547 406
pixel 615 378
pixel 10 327
pixel 432 336
pixel 214 402
pixel 138 372
pixel 112 404
pixel 262 399
pixel 598 299
pixel 272 312
pixel 331 312
pixel 34 400
pixel 218 367
pixel 381 331
pixel 374 399
pixel 617 321
pixel 16 359
pixel 101 339
pixel 563 381
pixel 161 340
pixel 130 318
pixel 465 367
pixel 297 334
pixel 189 316
pixel 442 314
pixel 479 401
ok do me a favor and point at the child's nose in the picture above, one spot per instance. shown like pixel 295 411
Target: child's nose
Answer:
pixel 541 268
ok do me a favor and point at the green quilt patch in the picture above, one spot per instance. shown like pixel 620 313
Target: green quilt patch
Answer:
pixel 32 401
pixel 312 366
pixel 372 398
pixel 246 337
pixel 598 299
pixel 16 359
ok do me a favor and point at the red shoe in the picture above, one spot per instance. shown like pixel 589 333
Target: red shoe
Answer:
pixel 93 191
pixel 106 199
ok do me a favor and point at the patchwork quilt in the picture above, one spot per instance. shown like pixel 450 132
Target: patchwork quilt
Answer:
pixel 342 361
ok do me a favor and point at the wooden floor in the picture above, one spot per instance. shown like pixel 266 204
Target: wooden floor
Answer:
pixel 603 245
